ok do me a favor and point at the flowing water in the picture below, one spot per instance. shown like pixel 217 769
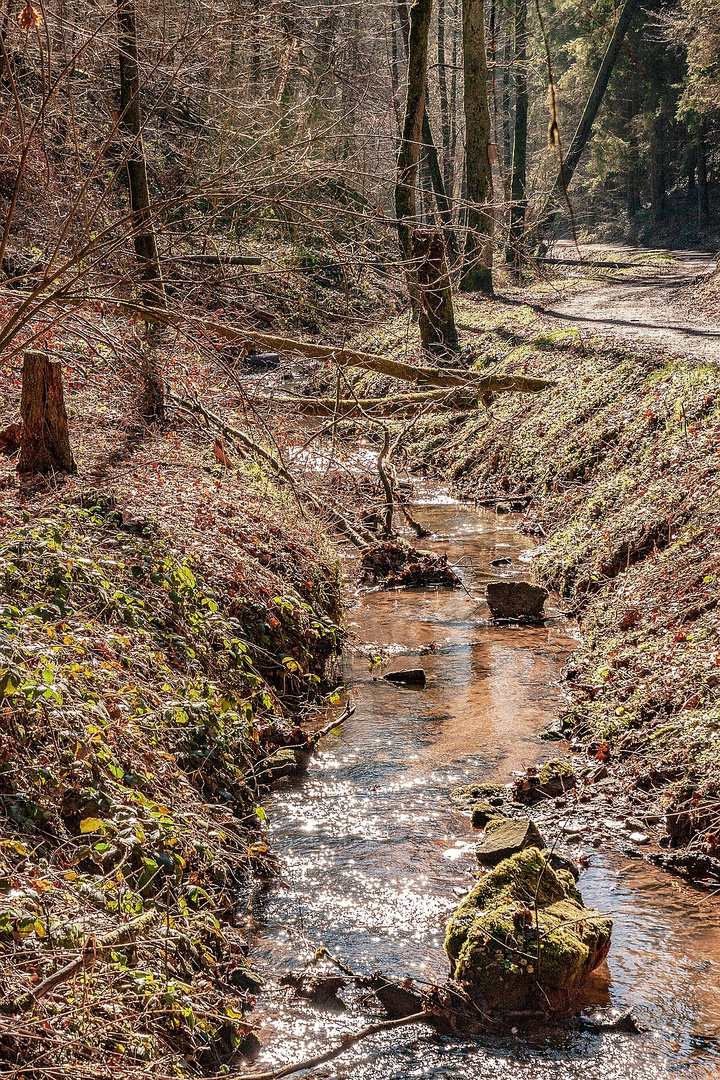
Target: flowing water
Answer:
pixel 373 856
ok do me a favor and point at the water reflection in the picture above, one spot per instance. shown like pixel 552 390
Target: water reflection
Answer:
pixel 374 857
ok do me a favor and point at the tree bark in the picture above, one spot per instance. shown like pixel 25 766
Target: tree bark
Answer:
pixel 409 153
pixel 436 317
pixel 45 442
pixel 518 194
pixel 476 275
pixel 703 200
pixel 584 128
pixel 131 122
pixel 430 155
pixel 445 127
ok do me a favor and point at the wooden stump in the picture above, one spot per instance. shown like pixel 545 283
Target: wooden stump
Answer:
pixel 45 445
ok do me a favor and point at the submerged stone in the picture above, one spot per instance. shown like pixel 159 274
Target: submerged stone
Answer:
pixel 522 938
pixel 412 676
pixel 505 836
pixel 515 599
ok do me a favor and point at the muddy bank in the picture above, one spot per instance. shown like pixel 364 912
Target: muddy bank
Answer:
pixel 620 468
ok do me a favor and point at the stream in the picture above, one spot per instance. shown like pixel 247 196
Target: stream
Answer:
pixel 373 856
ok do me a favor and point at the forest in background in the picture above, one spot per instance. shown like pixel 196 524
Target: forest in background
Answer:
pixel 273 131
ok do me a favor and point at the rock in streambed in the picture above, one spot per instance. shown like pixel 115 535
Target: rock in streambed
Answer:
pixel 515 599
pixel 522 938
pixel 506 836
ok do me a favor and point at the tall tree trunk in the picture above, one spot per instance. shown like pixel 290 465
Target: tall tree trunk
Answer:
pixel 131 122
pixel 507 67
pixel 476 275
pixel 702 184
pixel 430 160
pixel 518 193
pixel 584 128
pixel 429 289
pixel 409 152
pixel 447 159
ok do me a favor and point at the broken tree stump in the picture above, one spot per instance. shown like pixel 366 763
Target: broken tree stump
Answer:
pixel 45 441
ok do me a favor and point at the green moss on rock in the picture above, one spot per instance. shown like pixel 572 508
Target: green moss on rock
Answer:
pixel 472 793
pixel 494 937
pixel 483 813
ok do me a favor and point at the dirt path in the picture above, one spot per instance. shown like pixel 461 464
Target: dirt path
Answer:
pixel 647 308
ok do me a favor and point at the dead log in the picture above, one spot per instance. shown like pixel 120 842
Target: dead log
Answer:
pixel 345 357
pixel 397 405
pixel 45 443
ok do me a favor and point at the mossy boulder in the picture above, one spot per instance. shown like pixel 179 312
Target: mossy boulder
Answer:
pixel 496 935
pixel 470 794
pixel 284 762
pixel 483 813
pixel 553 778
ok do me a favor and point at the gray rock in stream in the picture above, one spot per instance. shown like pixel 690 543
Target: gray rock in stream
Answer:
pixel 515 599
pixel 504 837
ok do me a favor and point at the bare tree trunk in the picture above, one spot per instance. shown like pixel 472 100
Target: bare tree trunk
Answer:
pixel 430 160
pixel 478 258
pixel 45 441
pixel 448 163
pixel 518 194
pixel 702 184
pixel 409 153
pixel 597 94
pixel 436 317
pixel 507 66
pixel 131 122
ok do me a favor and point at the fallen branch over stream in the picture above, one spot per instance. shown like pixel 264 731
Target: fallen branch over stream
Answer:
pixel 345 357
pixel 347 1041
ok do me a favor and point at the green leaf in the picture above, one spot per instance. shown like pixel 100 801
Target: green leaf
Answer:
pixel 48 676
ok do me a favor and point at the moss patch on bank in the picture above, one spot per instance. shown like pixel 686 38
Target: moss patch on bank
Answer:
pixel 622 460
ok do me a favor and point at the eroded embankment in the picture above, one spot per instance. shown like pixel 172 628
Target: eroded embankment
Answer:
pixel 620 465
pixel 151 668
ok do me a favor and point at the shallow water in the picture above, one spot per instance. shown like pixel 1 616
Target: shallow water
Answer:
pixel 373 856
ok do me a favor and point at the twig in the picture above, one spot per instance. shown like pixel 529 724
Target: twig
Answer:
pixel 347 1041
pixel 92 946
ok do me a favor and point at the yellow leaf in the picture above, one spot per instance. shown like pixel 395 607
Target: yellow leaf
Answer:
pixel 90 824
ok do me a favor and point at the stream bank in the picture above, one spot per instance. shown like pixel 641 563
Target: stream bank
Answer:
pixel 617 470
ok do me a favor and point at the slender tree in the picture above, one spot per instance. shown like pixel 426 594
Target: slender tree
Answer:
pixel 476 275
pixel 518 194
pixel 424 254
pixel 131 123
